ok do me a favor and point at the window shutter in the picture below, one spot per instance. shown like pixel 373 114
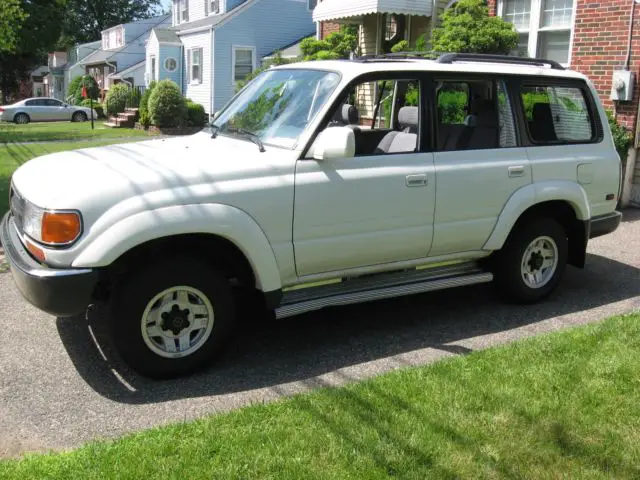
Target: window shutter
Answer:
pixel 189 66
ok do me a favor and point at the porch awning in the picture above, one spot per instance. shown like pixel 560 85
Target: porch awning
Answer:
pixel 342 9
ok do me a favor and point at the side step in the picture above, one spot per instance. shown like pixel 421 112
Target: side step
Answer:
pixel 380 286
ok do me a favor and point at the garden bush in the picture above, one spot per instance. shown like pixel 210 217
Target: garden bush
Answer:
pixel 116 100
pixel 145 120
pixel 196 115
pixel 166 105
pixel 75 89
pixel 622 139
pixel 97 106
pixel 144 101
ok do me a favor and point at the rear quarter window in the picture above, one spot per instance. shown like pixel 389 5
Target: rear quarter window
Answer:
pixel 557 115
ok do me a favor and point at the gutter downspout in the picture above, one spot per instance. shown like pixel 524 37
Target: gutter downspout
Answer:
pixel 211 89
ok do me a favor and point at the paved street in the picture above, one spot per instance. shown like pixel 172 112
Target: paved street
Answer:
pixel 58 390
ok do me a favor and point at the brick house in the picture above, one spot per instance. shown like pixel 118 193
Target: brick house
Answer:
pixel 589 36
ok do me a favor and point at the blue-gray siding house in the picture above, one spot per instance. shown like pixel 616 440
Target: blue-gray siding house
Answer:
pixel 214 43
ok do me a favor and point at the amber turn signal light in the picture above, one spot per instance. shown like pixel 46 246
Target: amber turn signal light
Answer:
pixel 60 228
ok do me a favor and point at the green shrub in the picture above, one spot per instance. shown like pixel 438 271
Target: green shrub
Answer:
pixel 97 106
pixel 453 106
pixel 144 101
pixel 75 91
pixel 622 139
pixel 196 115
pixel 116 100
pixel 166 105
pixel 145 120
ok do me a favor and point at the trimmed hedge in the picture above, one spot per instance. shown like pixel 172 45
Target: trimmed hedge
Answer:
pixel 97 106
pixel 167 105
pixel 196 116
pixel 144 101
pixel 116 100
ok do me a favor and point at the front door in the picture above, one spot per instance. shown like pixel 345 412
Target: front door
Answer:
pixel 478 162
pixel 376 207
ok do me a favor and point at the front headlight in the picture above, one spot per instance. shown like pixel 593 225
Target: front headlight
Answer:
pixel 51 227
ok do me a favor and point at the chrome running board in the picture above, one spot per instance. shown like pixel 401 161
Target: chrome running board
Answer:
pixel 380 286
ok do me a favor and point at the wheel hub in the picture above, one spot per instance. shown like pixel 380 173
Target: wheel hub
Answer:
pixel 536 260
pixel 175 319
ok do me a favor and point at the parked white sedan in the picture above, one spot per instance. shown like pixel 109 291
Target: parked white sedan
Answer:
pixel 43 109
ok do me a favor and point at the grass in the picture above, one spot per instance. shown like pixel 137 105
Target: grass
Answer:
pixel 45 132
pixel 565 405
pixel 12 155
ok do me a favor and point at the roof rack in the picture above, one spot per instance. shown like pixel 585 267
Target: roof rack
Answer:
pixel 442 57
pixel 492 58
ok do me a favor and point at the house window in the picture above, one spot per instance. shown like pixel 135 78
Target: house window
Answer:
pixel 195 65
pixel 311 4
pixel 183 6
pixel 243 62
pixel 212 7
pixel 170 64
pixel 544 26
pixel 391 27
pixel 153 68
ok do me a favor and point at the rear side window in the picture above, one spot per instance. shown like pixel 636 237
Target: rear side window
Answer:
pixel 557 115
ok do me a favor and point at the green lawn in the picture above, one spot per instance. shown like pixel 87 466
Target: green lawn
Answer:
pixel 565 405
pixel 44 132
pixel 12 155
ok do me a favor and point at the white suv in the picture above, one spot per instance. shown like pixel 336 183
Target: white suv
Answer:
pixel 321 184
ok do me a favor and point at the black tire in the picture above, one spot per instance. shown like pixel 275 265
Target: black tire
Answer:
pixel 21 118
pixel 135 291
pixel 79 117
pixel 507 264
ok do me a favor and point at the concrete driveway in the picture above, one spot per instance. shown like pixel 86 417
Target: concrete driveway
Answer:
pixel 58 389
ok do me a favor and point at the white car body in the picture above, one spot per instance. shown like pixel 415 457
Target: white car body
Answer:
pixel 298 220
pixel 44 109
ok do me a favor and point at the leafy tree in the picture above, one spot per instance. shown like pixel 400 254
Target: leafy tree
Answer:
pixel 467 27
pixel 36 36
pixel 12 17
pixel 167 105
pixel 336 45
pixel 85 19
pixel 74 91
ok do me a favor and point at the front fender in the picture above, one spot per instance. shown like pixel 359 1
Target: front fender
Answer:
pixel 223 220
pixel 534 194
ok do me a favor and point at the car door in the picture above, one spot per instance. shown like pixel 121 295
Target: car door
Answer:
pixel 372 208
pixel 478 163
pixel 56 110
pixel 35 109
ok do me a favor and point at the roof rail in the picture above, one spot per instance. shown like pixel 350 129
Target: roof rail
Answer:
pixel 398 56
pixel 492 58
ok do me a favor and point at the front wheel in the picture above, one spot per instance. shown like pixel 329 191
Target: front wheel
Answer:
pixel 79 117
pixel 533 261
pixel 172 319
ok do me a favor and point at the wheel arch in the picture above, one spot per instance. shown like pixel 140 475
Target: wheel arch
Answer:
pixel 213 231
pixel 565 202
pixel 21 112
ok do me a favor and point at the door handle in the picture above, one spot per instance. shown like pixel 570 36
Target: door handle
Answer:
pixel 516 171
pixel 419 180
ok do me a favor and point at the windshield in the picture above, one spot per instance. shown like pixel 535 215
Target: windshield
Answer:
pixel 278 105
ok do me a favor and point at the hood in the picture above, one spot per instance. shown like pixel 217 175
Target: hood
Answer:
pixel 106 175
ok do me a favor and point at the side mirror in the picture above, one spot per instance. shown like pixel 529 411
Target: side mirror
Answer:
pixel 335 142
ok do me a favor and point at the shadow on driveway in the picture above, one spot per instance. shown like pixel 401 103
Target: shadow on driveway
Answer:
pixel 313 344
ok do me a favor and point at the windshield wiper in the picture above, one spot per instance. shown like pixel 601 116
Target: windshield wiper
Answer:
pixel 250 135
pixel 214 130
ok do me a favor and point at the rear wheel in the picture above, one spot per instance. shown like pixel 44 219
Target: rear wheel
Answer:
pixel 21 118
pixel 79 117
pixel 172 319
pixel 533 261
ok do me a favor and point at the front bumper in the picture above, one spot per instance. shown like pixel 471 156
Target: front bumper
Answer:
pixel 604 224
pixel 60 292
